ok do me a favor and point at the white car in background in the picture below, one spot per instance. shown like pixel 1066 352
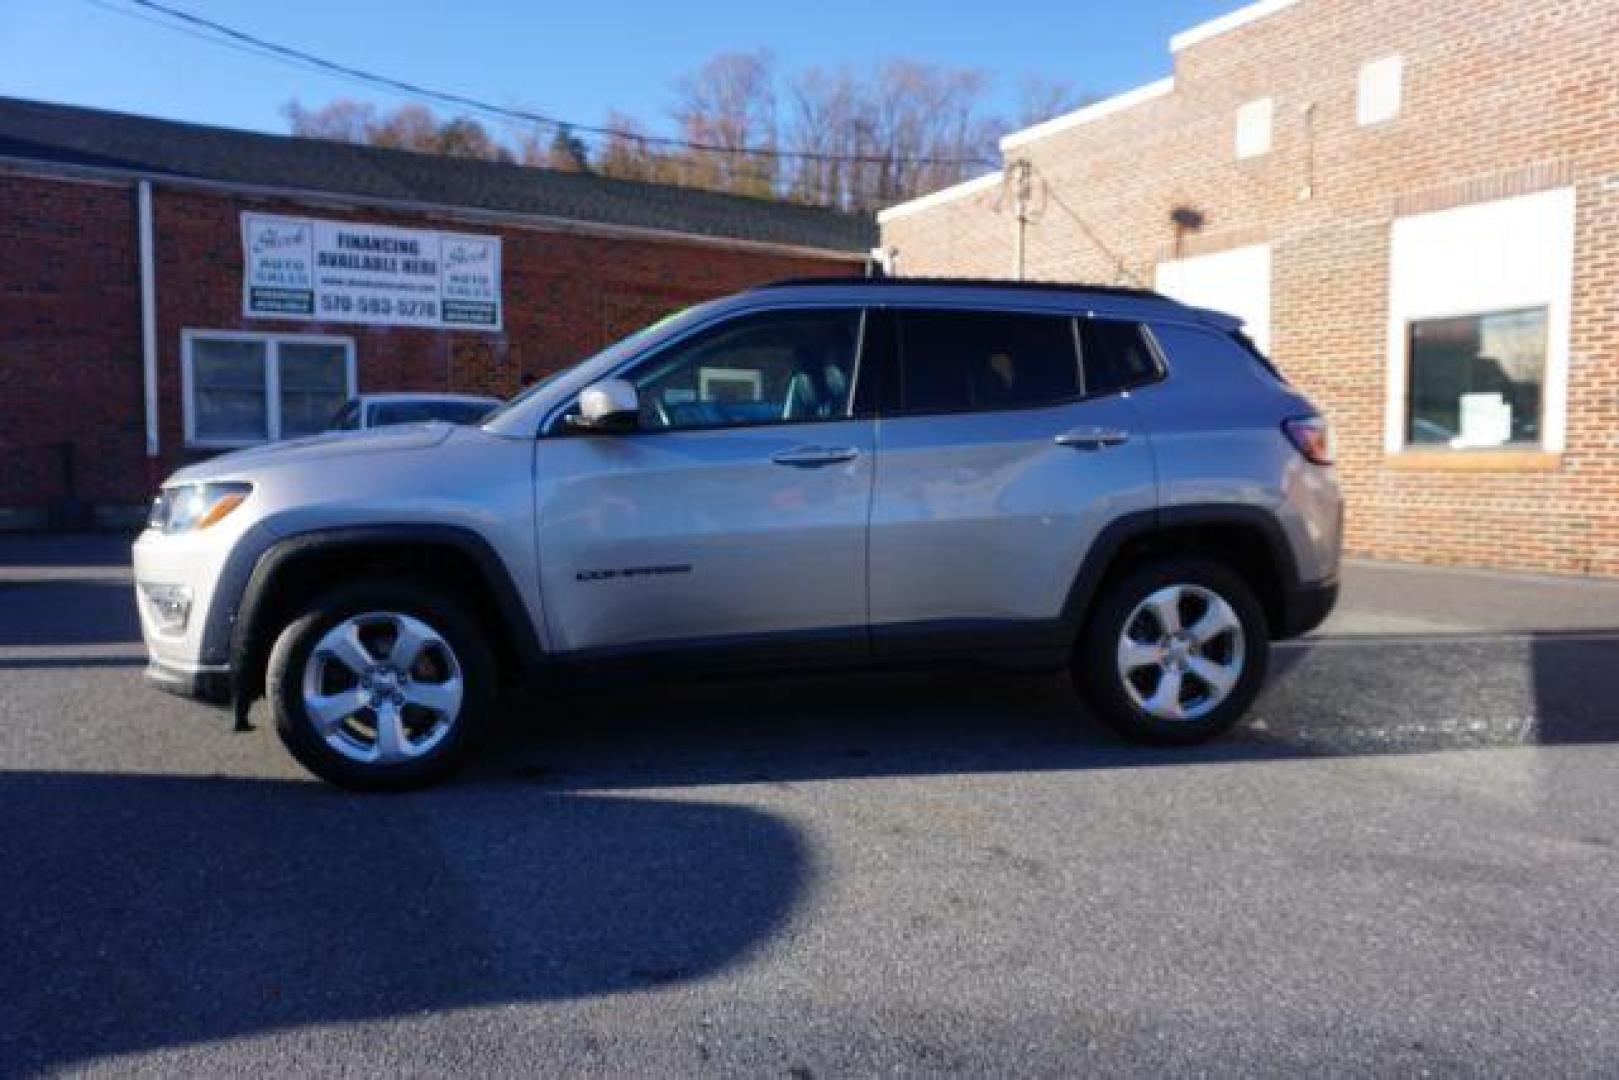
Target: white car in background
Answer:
pixel 381 410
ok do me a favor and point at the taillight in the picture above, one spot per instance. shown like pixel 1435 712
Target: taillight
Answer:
pixel 1312 438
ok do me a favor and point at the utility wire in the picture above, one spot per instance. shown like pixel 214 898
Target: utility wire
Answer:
pixel 222 34
pixel 1124 270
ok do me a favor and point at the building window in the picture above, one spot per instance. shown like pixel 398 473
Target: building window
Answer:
pixel 1378 96
pixel 1476 380
pixel 1479 312
pixel 246 388
pixel 1253 128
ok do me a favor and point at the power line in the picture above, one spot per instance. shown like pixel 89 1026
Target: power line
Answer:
pixel 221 34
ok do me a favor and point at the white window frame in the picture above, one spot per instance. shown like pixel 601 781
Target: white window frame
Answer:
pixel 1379 89
pixel 1251 140
pixel 272 378
pixel 1482 281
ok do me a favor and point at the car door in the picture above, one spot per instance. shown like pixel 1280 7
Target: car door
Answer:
pixel 1002 452
pixel 735 512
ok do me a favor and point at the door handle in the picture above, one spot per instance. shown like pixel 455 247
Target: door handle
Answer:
pixel 1093 438
pixel 810 457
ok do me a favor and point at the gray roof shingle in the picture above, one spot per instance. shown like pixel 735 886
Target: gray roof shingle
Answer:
pixel 40 131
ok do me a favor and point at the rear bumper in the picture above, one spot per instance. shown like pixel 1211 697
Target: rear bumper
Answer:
pixel 1307 607
pixel 208 684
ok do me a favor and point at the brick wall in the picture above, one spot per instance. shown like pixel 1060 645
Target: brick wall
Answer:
pixel 1499 99
pixel 70 344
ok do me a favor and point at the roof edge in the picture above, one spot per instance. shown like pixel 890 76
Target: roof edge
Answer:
pixel 337 200
pixel 1096 110
pixel 943 195
pixel 1231 20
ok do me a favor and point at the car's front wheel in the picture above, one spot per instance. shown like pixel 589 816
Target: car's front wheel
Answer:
pixel 382 685
pixel 1174 652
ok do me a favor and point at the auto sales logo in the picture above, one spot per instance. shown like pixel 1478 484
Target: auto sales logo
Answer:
pixel 469 256
pixel 272 239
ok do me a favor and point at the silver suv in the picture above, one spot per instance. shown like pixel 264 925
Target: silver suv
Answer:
pixel 1094 480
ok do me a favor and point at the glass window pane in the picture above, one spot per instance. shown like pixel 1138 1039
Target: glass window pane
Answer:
pixel 227 390
pixel 954 360
pixel 1116 357
pixel 314 385
pixel 421 411
pixel 763 369
pixel 1475 380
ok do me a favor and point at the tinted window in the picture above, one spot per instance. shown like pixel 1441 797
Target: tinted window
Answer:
pixel 956 360
pixel 1117 356
pixel 417 412
pixel 775 368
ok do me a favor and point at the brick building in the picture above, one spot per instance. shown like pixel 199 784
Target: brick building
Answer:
pixel 1415 205
pixel 130 341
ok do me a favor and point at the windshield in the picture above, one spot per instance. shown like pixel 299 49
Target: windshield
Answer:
pixel 604 359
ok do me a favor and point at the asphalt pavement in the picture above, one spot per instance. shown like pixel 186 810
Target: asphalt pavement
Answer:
pixel 1407 861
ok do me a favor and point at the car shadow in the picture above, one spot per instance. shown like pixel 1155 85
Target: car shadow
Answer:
pixel 155 911
pixel 1323 699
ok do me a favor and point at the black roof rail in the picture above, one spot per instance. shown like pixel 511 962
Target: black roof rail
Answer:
pixel 969 282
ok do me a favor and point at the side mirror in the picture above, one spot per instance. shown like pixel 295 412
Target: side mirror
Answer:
pixel 607 406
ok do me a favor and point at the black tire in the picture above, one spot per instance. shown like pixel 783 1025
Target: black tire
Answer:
pixel 1096 664
pixel 284 684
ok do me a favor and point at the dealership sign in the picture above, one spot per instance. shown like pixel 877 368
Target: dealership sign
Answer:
pixel 344 271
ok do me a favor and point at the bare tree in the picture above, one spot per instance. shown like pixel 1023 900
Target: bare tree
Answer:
pixel 408 127
pixel 339 121
pixel 625 154
pixel 847 139
pixel 1040 99
pixel 730 103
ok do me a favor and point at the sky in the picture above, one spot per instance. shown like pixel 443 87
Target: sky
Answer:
pixel 573 60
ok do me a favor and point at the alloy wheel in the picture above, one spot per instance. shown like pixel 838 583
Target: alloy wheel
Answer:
pixel 382 688
pixel 1181 652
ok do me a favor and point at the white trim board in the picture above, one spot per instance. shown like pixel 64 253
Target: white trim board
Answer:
pixel 1228 22
pixel 943 195
pixel 1096 110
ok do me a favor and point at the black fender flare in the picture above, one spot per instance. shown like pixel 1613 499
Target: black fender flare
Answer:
pixel 1143 523
pixel 245 641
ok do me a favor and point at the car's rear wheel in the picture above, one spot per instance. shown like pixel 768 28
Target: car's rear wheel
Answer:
pixel 1174 653
pixel 381 685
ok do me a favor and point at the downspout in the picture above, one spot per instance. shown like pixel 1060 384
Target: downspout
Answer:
pixel 148 329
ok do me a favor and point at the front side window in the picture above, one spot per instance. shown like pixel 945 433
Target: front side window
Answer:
pixel 781 367
pixel 243 389
pixel 955 361
pixel 1475 381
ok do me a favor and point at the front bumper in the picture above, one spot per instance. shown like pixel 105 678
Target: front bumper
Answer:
pixel 207 684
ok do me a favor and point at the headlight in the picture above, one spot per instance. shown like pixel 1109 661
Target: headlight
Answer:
pixel 195 506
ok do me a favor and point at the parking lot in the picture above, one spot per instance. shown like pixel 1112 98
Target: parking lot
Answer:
pixel 1407 860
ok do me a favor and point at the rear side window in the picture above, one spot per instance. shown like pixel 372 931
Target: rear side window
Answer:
pixel 955 361
pixel 1117 356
